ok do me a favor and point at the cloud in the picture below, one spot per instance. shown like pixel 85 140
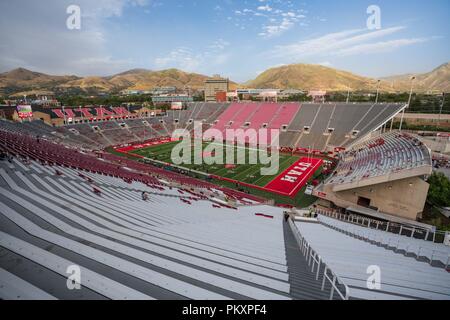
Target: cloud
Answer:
pixel 35 36
pixel 219 44
pixel 195 61
pixel 280 17
pixel 347 42
pixel 182 58
pixel 383 46
pixel 265 8
pixel 276 30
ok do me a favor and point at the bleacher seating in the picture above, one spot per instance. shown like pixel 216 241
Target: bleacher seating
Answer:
pixel 329 125
pixel 418 248
pixel 344 119
pixel 350 259
pixel 54 154
pixel 391 152
pixel 134 249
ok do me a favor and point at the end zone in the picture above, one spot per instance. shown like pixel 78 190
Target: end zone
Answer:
pixel 290 182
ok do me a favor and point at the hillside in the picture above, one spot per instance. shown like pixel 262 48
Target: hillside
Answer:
pixel 144 80
pixel 436 80
pixel 317 77
pixel 24 81
pixel 297 76
pixel 312 77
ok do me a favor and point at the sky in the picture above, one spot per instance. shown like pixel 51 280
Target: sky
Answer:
pixel 238 39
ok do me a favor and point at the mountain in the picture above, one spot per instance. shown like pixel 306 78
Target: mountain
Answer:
pixel 22 81
pixel 145 79
pixel 136 79
pixel 437 80
pixel 317 77
pixel 297 76
pixel 312 77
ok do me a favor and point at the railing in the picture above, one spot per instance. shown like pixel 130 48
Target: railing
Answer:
pixel 333 280
pixel 395 244
pixel 392 227
pixel 315 260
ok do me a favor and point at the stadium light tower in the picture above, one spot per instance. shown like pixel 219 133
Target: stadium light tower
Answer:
pixel 410 92
pixel 378 91
pixel 442 105
pixel 409 102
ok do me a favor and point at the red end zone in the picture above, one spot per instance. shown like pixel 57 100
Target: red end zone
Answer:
pixel 290 182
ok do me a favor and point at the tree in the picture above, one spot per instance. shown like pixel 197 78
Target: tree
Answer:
pixel 439 193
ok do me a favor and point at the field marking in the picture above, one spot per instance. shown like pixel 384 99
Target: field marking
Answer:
pixel 302 182
pixel 281 165
pixel 164 149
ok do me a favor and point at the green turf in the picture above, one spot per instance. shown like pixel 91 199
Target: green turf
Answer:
pixel 248 173
pixel 162 153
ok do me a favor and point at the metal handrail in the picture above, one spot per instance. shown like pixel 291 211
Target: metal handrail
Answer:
pixel 395 245
pixel 333 284
pixel 351 219
pixel 313 256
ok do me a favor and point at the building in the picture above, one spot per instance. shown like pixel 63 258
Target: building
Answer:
pixel 135 92
pixel 163 90
pixel 290 93
pixel 318 96
pixel 214 85
pixel 154 91
pixel 221 96
pixel 257 94
pixel 170 98
pixel 9 112
pixel 46 101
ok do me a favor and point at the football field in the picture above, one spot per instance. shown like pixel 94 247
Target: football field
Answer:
pixel 292 175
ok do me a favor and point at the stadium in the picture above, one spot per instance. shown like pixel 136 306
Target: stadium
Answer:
pixel 101 192
pixel 220 159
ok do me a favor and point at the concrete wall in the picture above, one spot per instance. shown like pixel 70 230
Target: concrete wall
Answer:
pixel 47 119
pixel 402 198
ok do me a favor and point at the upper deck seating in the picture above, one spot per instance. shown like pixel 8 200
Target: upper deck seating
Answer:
pixel 391 152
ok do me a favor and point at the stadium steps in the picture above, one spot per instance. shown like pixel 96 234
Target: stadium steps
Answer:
pixel 217 113
pixel 133 134
pixel 167 133
pixel 110 142
pixel 304 285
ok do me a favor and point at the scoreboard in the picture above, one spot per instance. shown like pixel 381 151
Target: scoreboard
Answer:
pixel 24 111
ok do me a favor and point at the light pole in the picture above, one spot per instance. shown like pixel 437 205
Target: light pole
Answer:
pixel 348 95
pixel 442 105
pixel 409 102
pixel 410 92
pixel 378 91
